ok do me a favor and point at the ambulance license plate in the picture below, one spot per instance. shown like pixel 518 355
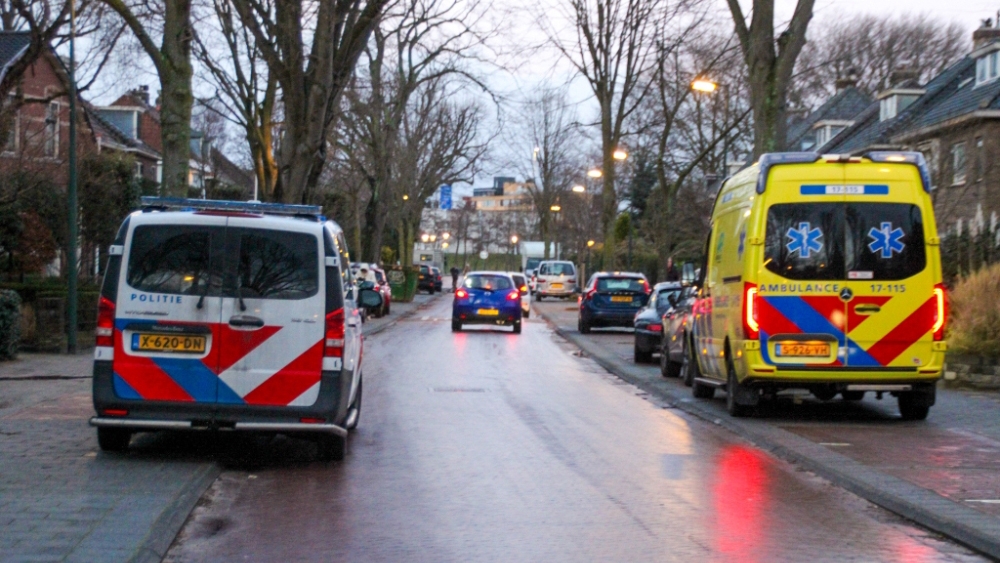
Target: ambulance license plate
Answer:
pixel 174 343
pixel 802 350
pixel 487 312
pixel 621 299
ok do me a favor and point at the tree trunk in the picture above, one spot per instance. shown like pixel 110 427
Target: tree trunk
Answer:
pixel 609 204
pixel 176 97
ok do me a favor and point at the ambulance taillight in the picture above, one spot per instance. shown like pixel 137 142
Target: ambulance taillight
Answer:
pixel 751 328
pixel 940 312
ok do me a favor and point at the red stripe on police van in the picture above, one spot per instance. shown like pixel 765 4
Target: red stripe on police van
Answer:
pixel 233 345
pixel 906 333
pixel 290 381
pixel 149 381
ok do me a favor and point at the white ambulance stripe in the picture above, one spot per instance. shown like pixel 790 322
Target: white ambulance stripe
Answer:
pixel 280 350
pixel 332 364
pixel 104 353
pixel 308 398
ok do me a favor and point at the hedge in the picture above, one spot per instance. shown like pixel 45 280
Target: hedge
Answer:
pixel 10 323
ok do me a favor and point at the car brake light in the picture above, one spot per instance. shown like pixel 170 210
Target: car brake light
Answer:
pixel 646 288
pixel 751 328
pixel 461 294
pixel 312 420
pixel 655 328
pixel 334 334
pixel 541 280
pixel 940 312
pixel 105 331
pixel 523 288
pixel 514 296
pixel 590 294
pixel 114 412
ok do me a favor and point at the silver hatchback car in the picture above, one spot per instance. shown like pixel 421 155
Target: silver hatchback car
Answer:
pixel 555 278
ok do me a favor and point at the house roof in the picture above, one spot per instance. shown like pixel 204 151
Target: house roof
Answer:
pixel 112 137
pixel 949 95
pixel 12 45
pixel 227 171
pixel 845 105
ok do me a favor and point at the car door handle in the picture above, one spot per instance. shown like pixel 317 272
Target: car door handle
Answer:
pixel 867 309
pixel 246 321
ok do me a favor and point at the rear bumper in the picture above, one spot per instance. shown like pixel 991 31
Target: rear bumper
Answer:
pixel 549 292
pixel 648 341
pixel 604 317
pixel 468 315
pixel 279 427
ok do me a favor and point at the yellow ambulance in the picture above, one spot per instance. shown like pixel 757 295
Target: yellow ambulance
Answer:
pixel 822 272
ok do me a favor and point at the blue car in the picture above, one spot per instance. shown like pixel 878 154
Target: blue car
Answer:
pixel 612 300
pixel 487 298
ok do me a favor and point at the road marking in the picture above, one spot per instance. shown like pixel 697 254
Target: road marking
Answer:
pixel 835 444
pixel 985 500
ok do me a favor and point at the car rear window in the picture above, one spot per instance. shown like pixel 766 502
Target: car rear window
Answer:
pixel 486 281
pixel 839 241
pixel 634 285
pixel 558 268
pixel 518 279
pixel 173 259
pixel 532 263
pixel 663 298
pixel 277 264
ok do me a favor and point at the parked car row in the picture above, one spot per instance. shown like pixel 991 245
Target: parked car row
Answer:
pixel 370 276
pixel 429 279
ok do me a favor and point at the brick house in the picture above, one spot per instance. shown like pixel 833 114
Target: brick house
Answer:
pixel 954 120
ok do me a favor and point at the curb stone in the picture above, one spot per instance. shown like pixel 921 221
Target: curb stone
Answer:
pixel 165 528
pixel 401 316
pixel 951 519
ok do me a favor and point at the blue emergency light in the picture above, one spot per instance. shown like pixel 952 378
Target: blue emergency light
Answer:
pixel 150 203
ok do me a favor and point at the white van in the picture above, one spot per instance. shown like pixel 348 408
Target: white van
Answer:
pixel 555 278
pixel 220 315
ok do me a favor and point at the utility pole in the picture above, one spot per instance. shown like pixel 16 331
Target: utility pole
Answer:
pixel 71 243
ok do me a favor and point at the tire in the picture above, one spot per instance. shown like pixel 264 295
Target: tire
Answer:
pixel 913 407
pixel 356 405
pixel 733 387
pixel 852 395
pixel 664 362
pixel 583 326
pixel 825 393
pixel 113 439
pixel 641 356
pixel 331 448
pixel 456 326
pixel 702 391
pixel 517 327
pixel 527 314
pixel 689 367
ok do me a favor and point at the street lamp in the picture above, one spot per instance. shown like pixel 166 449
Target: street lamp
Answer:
pixel 555 208
pixel 594 173
pixel 579 189
pixel 513 239
pixel 433 238
pixel 425 237
pixel 445 236
pixel 405 197
pixel 704 85
pixel 707 86
pixel 619 154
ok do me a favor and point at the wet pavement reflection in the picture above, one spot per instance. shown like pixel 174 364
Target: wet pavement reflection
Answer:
pixel 489 446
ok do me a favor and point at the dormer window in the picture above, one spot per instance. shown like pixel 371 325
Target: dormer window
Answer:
pixel 987 67
pixel 827 129
pixel 892 102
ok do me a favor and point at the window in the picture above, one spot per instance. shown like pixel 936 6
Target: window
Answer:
pixel 987 67
pixel 887 108
pixel 12 133
pixel 633 285
pixel 138 170
pixel 958 163
pixel 558 269
pixel 980 159
pixel 488 282
pixel 173 259
pixel 981 70
pixel 277 264
pixel 666 298
pixel 994 61
pixel 52 130
pixel 836 241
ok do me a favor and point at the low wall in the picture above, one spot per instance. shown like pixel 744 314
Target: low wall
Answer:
pixel 972 372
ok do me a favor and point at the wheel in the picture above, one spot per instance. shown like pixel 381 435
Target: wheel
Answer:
pixel 689 367
pixel 527 314
pixel 517 327
pixel 641 356
pixel 583 326
pixel 664 362
pixel 113 439
pixel 733 390
pixel 456 326
pixel 356 406
pixel 331 447
pixel 913 406
pixel 538 298
pixel 852 395
pixel 702 391
pixel 824 393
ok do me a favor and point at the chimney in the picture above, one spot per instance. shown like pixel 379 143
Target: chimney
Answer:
pixel 986 34
pixel 142 92
pixel 904 77
pixel 848 81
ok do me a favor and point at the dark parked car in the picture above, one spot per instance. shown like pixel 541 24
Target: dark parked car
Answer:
pixel 677 323
pixel 438 282
pixel 425 280
pixel 612 299
pixel 648 321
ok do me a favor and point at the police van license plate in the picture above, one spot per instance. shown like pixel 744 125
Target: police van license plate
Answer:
pixel 802 350
pixel 487 312
pixel 179 343
pixel 621 299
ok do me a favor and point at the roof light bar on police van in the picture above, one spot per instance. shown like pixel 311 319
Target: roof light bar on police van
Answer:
pixel 150 203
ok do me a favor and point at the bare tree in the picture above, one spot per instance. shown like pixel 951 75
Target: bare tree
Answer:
pixel 870 47
pixel 247 91
pixel 312 66
pixel 770 61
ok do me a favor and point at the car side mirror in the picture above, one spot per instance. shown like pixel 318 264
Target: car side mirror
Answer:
pixel 369 298
pixel 366 285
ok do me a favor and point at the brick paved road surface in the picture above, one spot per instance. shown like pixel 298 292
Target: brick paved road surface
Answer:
pixel 954 454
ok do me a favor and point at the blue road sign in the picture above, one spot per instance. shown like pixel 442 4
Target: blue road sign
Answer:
pixel 445 196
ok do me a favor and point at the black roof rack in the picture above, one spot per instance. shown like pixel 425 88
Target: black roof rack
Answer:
pixel 150 203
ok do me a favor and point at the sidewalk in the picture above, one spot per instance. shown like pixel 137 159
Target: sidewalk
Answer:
pixel 943 473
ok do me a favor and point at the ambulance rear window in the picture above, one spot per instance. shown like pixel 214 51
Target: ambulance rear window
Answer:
pixel 845 241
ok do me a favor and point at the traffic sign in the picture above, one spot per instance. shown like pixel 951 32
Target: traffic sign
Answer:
pixel 483 255
pixel 445 196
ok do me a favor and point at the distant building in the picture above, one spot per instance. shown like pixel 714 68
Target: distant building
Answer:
pixel 838 113
pixel 506 195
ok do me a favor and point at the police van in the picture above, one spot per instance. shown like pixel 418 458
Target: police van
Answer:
pixel 218 315
pixel 823 273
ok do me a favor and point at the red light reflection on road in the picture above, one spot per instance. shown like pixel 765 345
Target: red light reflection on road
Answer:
pixel 741 504
pixel 907 550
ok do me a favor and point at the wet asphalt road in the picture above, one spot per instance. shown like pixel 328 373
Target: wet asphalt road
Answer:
pixel 489 446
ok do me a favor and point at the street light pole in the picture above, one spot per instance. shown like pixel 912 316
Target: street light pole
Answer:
pixel 71 197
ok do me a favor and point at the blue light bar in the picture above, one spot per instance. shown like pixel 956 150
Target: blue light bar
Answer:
pixel 183 204
pixel 769 160
pixel 905 157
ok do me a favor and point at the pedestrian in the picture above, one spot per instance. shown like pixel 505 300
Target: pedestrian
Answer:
pixel 672 273
pixel 454 277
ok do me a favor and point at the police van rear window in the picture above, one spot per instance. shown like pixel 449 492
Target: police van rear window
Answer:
pixel 277 264
pixel 173 259
pixel 845 241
